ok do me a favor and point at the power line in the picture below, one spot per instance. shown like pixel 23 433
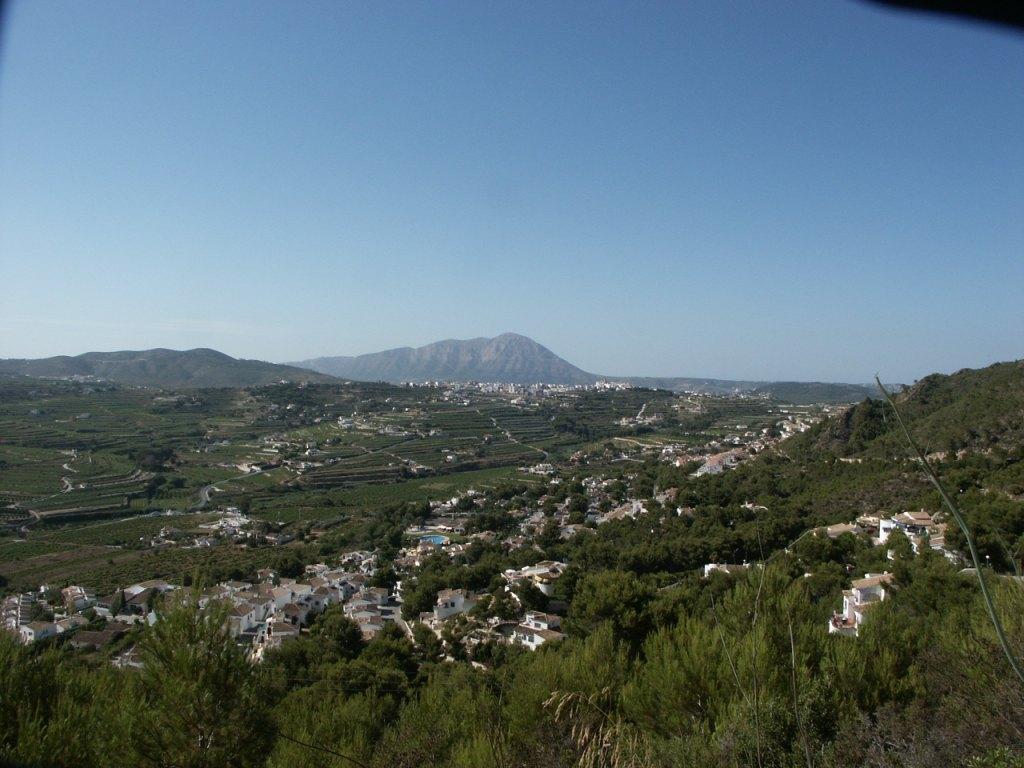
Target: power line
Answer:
pixel 318 748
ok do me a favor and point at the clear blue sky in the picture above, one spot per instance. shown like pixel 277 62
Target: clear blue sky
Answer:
pixel 778 190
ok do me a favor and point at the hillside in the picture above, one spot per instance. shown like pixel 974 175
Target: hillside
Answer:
pixel 161 368
pixel 815 391
pixel 974 409
pixel 507 358
pixel 798 392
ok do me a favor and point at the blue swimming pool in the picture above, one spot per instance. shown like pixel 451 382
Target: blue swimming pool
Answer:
pixel 435 538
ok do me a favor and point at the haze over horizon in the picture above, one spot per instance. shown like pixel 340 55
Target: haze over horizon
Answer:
pixel 657 190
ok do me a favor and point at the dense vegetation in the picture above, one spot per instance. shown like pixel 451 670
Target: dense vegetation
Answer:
pixel 661 667
pixel 723 673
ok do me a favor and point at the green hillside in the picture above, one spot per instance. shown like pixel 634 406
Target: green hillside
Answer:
pixel 975 409
pixel 162 368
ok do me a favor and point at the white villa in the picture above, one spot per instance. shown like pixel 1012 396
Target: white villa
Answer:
pixel 538 628
pixel 863 594
pixel 918 527
pixel 453 601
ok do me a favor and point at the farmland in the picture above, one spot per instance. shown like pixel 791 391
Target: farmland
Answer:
pixel 92 474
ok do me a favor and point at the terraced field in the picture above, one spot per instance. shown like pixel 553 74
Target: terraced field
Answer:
pixel 82 465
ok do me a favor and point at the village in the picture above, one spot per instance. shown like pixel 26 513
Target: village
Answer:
pixel 269 609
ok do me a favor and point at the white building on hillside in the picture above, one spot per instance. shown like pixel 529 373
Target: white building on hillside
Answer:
pixel 453 601
pixel 862 595
pixel 538 628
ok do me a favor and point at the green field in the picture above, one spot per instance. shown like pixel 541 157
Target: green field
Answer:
pixel 81 466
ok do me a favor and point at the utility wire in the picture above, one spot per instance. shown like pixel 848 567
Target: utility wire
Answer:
pixel 318 748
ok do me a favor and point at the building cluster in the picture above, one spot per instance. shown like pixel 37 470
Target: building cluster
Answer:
pixel 46 613
pixel 231 527
pixel 530 630
pixel 524 392
pixel 722 453
pixel 922 529
pixel 273 609
pixel 262 613
pixel 477 614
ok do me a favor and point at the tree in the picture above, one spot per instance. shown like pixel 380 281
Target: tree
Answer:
pixel 427 642
pixel 549 536
pixel 530 597
pixel 616 597
pixel 201 707
pixel 289 564
pixel 902 552
pixel 338 636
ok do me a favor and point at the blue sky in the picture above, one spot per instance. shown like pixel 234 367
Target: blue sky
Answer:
pixel 784 190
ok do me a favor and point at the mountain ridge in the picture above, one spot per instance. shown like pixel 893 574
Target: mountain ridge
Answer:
pixel 507 358
pixel 475 360
pixel 161 367
pixel 510 358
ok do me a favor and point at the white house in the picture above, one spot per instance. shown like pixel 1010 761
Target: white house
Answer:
pixel 838 529
pixel 539 620
pixel 543 575
pixel 158 585
pixel 729 568
pixel 279 631
pixel 857 600
pixel 453 601
pixel 538 628
pixel 918 527
pixel 242 618
pixel 282 596
pixel 77 598
pixel 70 623
pixel 36 630
pixel 911 523
pixel 374 595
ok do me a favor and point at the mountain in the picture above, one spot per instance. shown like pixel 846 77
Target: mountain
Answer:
pixel 510 358
pixel 162 368
pixel 516 359
pixel 507 358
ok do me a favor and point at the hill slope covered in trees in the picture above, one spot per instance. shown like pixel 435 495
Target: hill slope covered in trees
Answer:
pixel 162 368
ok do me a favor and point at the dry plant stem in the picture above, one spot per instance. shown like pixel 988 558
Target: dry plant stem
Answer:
pixel 728 656
pixel 753 636
pixel 796 699
pixel 959 518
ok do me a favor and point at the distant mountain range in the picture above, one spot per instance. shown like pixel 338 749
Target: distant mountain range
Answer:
pixel 509 358
pixel 162 368
pixel 517 359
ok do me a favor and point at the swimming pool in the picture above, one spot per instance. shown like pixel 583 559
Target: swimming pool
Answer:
pixel 436 538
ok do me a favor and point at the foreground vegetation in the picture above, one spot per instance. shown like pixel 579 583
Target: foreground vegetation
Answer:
pixel 726 673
